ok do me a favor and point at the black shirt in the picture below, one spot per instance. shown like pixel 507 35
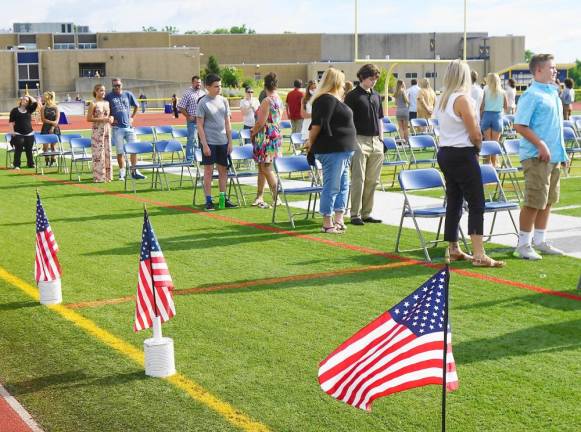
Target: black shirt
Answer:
pixel 367 110
pixel 23 121
pixel 336 122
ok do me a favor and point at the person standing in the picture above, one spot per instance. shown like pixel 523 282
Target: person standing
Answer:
pixel 248 107
pixel 539 120
pixel 123 107
pixel 213 118
pixel 491 109
pixel 23 137
pixel 368 158
pixel 510 91
pixel 267 139
pixel 426 100
pixel 460 142
pixel 143 102
pixel 332 135
pixel 307 108
pixel 477 94
pixel 99 115
pixel 293 106
pixel 174 106
pixel 412 93
pixel 187 105
pixel 49 115
pixel 402 112
pixel 567 98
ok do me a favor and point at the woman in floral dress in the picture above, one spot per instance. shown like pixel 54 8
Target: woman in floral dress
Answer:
pixel 267 139
pixel 99 115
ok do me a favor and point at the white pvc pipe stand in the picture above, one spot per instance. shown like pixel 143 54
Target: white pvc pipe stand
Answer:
pixel 159 353
pixel 50 292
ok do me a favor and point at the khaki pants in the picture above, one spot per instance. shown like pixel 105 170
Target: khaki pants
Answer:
pixel 365 171
pixel 297 125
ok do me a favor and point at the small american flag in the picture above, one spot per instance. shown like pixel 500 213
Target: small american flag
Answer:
pixel 403 348
pixel 154 287
pixel 46 267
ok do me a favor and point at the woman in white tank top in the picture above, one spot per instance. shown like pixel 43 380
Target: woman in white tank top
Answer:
pixel 460 141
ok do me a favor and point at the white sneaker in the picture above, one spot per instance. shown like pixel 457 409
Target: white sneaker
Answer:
pixel 121 178
pixel 546 248
pixel 526 252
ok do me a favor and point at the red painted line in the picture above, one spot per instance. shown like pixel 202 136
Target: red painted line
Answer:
pixel 328 242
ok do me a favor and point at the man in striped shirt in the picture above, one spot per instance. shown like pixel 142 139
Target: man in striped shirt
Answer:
pixel 188 105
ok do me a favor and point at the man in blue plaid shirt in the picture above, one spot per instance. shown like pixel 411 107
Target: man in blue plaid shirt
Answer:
pixel 188 105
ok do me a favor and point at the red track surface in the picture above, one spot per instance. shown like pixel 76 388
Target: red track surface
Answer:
pixel 10 421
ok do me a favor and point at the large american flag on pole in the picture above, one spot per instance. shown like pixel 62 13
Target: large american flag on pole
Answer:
pixel 46 263
pixel 403 348
pixel 154 285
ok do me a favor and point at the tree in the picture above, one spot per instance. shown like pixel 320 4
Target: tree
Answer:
pixel 575 74
pixel 241 30
pixel 170 29
pixel 221 31
pixel 232 77
pixel 149 29
pixel 212 67
pixel 380 84
pixel 528 55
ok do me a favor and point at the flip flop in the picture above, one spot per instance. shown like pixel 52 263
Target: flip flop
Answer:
pixel 331 230
pixel 486 261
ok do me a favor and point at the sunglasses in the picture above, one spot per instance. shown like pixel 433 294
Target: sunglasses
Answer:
pixel 116 85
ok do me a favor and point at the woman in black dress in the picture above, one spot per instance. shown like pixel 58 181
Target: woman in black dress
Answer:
pixel 49 114
pixel 23 137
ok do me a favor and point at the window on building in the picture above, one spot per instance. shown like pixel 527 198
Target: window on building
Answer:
pixel 26 39
pixel 411 75
pixel 431 74
pixel 395 75
pixel 87 70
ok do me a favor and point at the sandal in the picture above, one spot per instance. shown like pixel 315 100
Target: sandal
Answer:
pixel 486 261
pixel 331 230
pixel 263 205
pixel 341 226
pixel 459 256
pixel 257 202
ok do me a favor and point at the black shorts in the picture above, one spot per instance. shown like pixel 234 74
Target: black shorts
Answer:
pixel 219 155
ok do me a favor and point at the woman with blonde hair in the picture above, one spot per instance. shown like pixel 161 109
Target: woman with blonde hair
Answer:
pixel 460 142
pixel 402 112
pixel 493 105
pixel 49 115
pixel 426 99
pixel 99 114
pixel 332 141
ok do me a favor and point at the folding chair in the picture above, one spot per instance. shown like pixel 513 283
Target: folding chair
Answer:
pixel 422 179
pixel 179 133
pixel 9 149
pixel 386 120
pixel 143 149
pixel 508 131
pixel 162 130
pixel 239 155
pixel 148 131
pixel 392 158
pixel 419 126
pixel 80 155
pixel 422 144
pixel 570 124
pixel 493 148
pixel 171 154
pixel 511 148
pixel 497 202
pixel 285 130
pixel 295 164
pixel 236 136
pixel 66 146
pixel 572 145
pixel 245 136
pixel 297 142
pixel 47 139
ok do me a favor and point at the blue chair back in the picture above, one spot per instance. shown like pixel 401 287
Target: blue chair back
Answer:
pixel 46 139
pixel 168 146
pixel 243 152
pixel 8 137
pixel 511 146
pixel 179 133
pixel 419 122
pixel 386 121
pixel 291 164
pixel 389 128
pixel 245 133
pixel 165 129
pixel 569 134
pixel 285 124
pixel 235 134
pixel 490 148
pixel 389 143
pixel 434 122
pixel 425 178
pixel 297 138
pixel 66 138
pixel 422 141
pixel 569 124
pixel 489 174
pixel 138 147
pixel 509 117
pixel 80 143
pixel 144 130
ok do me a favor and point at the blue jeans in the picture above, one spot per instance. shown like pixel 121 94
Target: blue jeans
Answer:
pixel 192 140
pixel 335 182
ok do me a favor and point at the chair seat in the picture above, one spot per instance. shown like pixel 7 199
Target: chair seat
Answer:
pixel 303 190
pixel 175 164
pixel 427 212
pixel 395 163
pixel 506 170
pixel 148 166
pixel 425 161
pixel 499 205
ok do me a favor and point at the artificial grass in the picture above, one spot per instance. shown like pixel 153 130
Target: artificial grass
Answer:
pixel 258 347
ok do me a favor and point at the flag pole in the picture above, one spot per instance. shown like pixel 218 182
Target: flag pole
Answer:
pixel 445 366
pixel 156 319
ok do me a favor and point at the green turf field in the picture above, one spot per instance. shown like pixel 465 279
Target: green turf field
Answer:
pixel 255 344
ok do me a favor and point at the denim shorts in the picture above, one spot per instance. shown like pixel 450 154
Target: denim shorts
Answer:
pixel 121 135
pixel 491 120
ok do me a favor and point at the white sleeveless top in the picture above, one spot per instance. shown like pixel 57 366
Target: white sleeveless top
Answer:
pixel 453 133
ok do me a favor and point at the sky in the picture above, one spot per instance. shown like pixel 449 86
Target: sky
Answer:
pixel 548 26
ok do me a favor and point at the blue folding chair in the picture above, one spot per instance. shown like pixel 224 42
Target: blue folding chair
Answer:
pixel 285 130
pixel 241 155
pixel 572 145
pixel 66 145
pixel 422 144
pixel 48 140
pixel 386 120
pixel 9 149
pixel 179 133
pixel 297 142
pixel 392 158
pixel 245 136
pixel 422 179
pixel 493 148
pixel 289 165
pixel 150 162
pixel 570 124
pixel 236 136
pixel 497 202
pixel 170 154
pixel 508 131
pixel 419 126
pixel 162 130
pixel 145 131
pixel 80 156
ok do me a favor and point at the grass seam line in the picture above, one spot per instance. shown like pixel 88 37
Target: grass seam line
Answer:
pixel 194 390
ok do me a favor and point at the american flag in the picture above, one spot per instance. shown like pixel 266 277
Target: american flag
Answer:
pixel 403 348
pixel 46 267
pixel 154 287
